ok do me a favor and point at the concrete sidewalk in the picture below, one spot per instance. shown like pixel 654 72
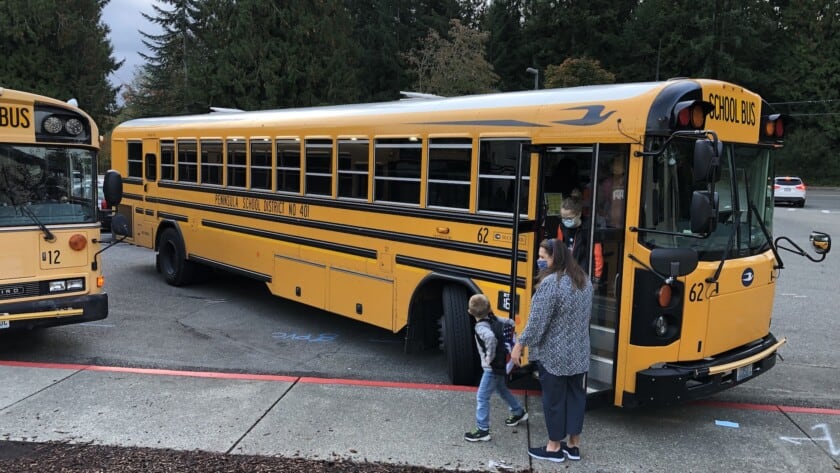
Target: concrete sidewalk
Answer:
pixel 389 423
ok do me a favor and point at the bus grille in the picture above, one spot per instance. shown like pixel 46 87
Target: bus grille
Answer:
pixel 17 291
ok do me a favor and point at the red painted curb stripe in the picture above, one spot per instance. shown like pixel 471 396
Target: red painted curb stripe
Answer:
pixel 372 384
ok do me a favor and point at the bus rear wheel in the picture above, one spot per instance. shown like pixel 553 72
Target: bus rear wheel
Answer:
pixel 172 259
pixel 461 355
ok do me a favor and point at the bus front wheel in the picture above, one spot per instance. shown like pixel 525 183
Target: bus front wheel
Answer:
pixel 172 259
pixel 461 355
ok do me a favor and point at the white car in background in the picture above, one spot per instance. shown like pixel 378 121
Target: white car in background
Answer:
pixel 789 190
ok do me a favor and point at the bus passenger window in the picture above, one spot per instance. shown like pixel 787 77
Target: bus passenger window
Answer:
pixel 497 176
pixel 135 159
pixel 211 162
pixel 353 168
pixel 261 164
pixel 288 165
pixel 167 160
pixel 397 170
pixel 187 161
pixel 236 163
pixel 450 162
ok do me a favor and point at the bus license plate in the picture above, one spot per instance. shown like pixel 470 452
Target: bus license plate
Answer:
pixel 743 373
pixel 4 324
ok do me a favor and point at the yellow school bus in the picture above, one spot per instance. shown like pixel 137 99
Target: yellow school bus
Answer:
pixel 49 231
pixel 393 214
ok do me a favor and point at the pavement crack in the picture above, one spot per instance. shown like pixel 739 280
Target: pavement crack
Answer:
pixel 262 416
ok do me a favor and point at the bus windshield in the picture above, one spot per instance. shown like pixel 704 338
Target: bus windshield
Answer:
pixel 744 201
pixel 46 184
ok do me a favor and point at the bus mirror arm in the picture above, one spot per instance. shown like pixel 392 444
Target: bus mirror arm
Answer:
pixel 676 134
pixel 819 240
pixel 666 279
pixel 94 264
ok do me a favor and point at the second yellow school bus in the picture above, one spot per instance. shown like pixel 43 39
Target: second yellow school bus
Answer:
pixel 49 231
pixel 395 213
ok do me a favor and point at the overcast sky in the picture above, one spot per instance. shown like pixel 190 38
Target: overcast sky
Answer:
pixel 126 21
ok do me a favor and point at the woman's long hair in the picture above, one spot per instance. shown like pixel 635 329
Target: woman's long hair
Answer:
pixel 562 263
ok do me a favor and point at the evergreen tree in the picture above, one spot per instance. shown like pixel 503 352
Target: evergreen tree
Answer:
pixel 557 30
pixel 506 45
pixel 166 83
pixel 59 49
pixel 376 35
pixel 808 87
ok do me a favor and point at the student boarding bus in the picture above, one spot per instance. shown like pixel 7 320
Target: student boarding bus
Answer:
pixel 394 214
pixel 49 232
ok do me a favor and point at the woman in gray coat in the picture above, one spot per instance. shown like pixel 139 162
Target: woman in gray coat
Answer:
pixel 557 334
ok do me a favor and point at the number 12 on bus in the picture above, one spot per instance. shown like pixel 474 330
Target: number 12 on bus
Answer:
pixel 393 214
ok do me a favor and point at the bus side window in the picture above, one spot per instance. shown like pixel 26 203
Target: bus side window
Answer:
pixel 151 166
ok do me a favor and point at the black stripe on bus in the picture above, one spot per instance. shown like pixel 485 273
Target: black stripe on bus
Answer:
pixel 365 206
pixel 169 216
pixel 429 242
pixel 132 180
pixel 473 273
pixel 508 122
pixel 133 196
pixel 138 210
pixel 231 269
pixel 352 250
pixel 150 212
pixel 485 250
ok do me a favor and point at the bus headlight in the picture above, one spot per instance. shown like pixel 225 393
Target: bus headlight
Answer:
pixel 52 124
pixel 74 126
pixel 64 285
pixel 58 286
pixel 660 326
pixel 75 284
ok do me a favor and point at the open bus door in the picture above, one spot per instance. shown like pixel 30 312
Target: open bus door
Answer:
pixel 589 173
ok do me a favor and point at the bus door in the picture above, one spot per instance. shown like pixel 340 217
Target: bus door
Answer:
pixel 146 218
pixel 580 174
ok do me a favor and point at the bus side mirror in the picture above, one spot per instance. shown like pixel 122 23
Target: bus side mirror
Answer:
pixel 119 226
pixel 820 242
pixel 704 212
pixel 113 188
pixel 706 165
pixel 673 262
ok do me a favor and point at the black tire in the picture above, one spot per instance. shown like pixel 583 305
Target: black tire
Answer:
pixel 172 259
pixel 458 342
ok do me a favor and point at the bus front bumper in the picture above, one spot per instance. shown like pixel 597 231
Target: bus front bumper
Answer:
pixel 680 382
pixel 53 312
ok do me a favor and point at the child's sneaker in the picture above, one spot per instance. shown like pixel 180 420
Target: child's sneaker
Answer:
pixel 514 419
pixel 572 453
pixel 477 435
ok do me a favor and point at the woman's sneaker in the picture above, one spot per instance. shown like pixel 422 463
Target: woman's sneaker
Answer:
pixel 572 453
pixel 543 454
pixel 477 435
pixel 513 420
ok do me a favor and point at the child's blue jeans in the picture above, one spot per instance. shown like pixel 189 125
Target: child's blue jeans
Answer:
pixel 492 382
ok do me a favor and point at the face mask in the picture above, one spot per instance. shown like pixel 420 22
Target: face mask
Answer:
pixel 542 264
pixel 571 222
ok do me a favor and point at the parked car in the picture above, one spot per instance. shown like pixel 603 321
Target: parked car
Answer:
pixel 789 190
pixel 103 209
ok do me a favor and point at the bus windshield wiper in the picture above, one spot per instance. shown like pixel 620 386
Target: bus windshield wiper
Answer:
pixel 24 209
pixel 737 215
